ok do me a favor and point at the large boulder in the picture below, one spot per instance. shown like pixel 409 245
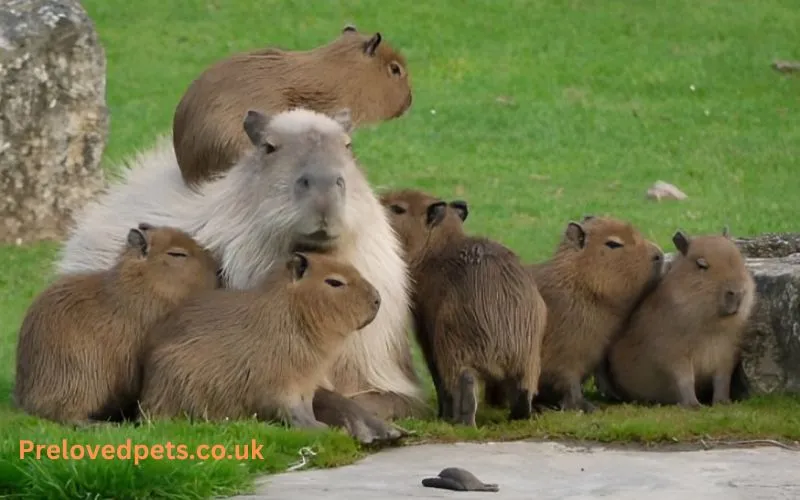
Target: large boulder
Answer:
pixel 53 116
pixel 771 350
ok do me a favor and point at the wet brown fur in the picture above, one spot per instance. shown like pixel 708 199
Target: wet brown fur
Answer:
pixel 79 344
pixel 601 269
pixel 685 336
pixel 476 312
pixel 341 74
pixel 260 352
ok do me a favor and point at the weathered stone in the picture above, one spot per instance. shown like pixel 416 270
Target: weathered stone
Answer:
pixel 53 116
pixel 769 245
pixel 771 351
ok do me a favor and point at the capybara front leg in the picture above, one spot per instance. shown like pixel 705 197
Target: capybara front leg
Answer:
pixel 338 411
pixel 722 386
pixel 687 396
pixel 301 417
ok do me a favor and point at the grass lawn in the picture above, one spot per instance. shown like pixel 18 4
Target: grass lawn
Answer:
pixel 536 112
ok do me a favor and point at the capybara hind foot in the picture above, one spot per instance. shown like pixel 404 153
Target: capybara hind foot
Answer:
pixel 466 401
pixel 575 401
pixel 522 408
pixel 338 411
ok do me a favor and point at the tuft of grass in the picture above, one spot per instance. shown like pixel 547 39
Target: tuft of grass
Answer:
pixel 535 112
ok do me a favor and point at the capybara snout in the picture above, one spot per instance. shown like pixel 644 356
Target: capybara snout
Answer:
pixel 731 301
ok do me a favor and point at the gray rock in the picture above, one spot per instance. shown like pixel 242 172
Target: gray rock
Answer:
pixel 769 245
pixel 53 116
pixel 771 351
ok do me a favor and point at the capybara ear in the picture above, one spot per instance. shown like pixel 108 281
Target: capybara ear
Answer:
pixel 576 234
pixel 345 119
pixel 436 213
pixel 371 45
pixel 137 240
pixel 586 217
pixel 461 207
pixel 681 242
pixel 349 28
pixel 144 226
pixel 298 264
pixel 255 125
pixel 726 232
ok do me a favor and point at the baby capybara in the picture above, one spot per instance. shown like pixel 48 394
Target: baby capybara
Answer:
pixel 79 344
pixel 260 352
pixel 476 312
pixel 685 336
pixel 600 271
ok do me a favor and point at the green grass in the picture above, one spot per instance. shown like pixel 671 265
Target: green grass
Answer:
pixel 536 112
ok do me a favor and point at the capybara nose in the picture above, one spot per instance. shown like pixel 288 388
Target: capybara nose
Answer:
pixel 733 301
pixel 658 257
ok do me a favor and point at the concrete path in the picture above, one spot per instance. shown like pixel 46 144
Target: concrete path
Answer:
pixel 540 471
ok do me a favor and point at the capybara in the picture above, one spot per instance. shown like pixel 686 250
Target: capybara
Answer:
pixel 685 336
pixel 476 312
pixel 80 341
pixel 356 71
pixel 300 187
pixel 233 354
pixel 601 269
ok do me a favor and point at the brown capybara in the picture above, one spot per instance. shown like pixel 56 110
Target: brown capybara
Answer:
pixel 356 71
pixel 79 344
pixel 234 354
pixel 476 312
pixel 685 335
pixel 600 271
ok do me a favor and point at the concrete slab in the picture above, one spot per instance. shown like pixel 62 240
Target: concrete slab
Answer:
pixel 536 470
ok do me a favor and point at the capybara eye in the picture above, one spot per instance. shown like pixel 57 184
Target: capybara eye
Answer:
pixel 702 263
pixel 303 182
pixel 397 209
pixel 269 148
pixel 396 69
pixel 613 244
pixel 340 182
pixel 177 253
pixel 334 282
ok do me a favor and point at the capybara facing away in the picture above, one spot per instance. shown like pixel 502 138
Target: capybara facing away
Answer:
pixel 356 71
pixel 601 269
pixel 686 334
pixel 261 352
pixel 476 312
pixel 80 341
